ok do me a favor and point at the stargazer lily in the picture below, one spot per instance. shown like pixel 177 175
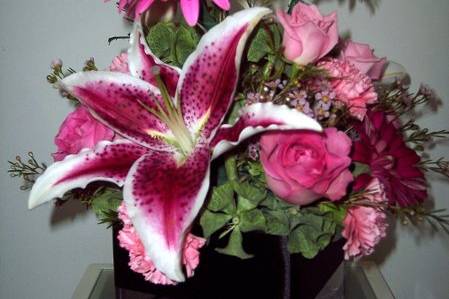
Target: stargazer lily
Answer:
pixel 170 120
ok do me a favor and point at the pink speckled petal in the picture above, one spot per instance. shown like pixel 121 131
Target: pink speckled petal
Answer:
pixel 141 61
pixel 209 76
pixel 162 197
pixel 116 100
pixel 258 118
pixel 110 161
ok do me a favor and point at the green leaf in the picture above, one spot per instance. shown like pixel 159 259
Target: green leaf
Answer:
pixel 222 199
pixel 337 212
pixel 252 220
pixel 249 196
pixel 235 247
pixel 260 45
pixel 186 41
pixel 304 240
pixel 276 222
pixel 211 222
pixel 160 39
pixel 272 202
pixel 207 18
pixel 105 201
pixel 360 168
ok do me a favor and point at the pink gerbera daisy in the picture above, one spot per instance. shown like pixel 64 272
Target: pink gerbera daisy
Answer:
pixel 381 146
pixel 190 8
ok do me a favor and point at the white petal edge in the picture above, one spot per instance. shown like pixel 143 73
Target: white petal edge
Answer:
pixel 169 262
pixel 44 189
pixel 291 118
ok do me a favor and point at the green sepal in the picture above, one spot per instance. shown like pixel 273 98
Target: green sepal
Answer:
pixel 252 220
pixel 212 222
pixel 235 246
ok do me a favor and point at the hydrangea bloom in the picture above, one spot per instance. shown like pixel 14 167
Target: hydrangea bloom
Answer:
pixel 351 86
pixel 139 260
pixel 365 226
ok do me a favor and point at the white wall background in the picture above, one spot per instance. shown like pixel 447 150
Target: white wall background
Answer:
pixel 43 254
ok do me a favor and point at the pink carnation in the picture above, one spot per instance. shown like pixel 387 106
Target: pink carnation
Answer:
pixel 139 261
pixel 352 87
pixel 79 130
pixel 120 64
pixel 365 226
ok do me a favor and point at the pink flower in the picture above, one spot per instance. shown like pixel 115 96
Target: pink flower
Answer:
pixel 120 64
pixel 363 58
pixel 365 226
pixel 138 260
pixel 190 8
pixel 79 130
pixel 308 36
pixel 381 146
pixel 303 166
pixel 351 86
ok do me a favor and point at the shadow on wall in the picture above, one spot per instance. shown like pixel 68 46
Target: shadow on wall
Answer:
pixel 67 212
pixel 371 4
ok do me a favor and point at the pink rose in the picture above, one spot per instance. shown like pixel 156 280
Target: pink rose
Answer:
pixel 308 35
pixel 303 166
pixel 352 87
pixel 362 56
pixel 79 130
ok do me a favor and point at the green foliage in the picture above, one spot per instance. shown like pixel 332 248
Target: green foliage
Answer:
pixel 235 247
pixel 172 43
pixel 105 202
pixel 312 231
pixel 243 204
pixel 266 42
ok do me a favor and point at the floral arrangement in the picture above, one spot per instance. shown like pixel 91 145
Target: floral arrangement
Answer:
pixel 312 137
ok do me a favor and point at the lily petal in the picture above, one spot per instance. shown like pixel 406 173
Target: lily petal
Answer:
pixel 117 100
pixel 110 161
pixel 209 76
pixel 162 198
pixel 258 118
pixel 141 61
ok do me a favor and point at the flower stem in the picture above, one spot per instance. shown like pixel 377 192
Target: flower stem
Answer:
pixel 286 292
pixel 231 168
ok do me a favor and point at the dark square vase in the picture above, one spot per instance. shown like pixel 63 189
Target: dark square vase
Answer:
pixel 221 277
